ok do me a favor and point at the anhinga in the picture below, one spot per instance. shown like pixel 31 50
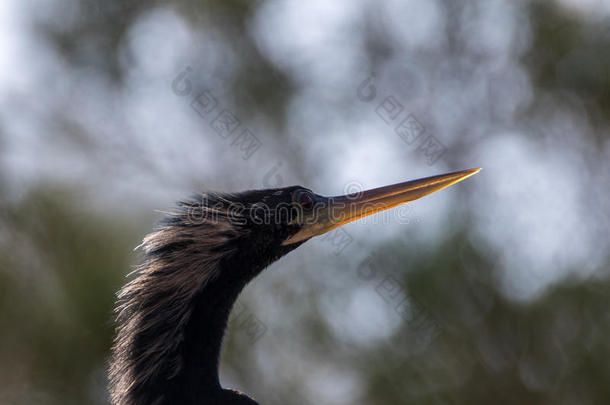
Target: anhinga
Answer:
pixel 172 316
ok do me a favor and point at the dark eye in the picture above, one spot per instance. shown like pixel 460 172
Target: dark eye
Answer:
pixel 306 200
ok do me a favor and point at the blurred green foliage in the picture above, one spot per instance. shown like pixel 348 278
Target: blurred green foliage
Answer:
pixel 487 349
pixel 569 57
pixel 60 266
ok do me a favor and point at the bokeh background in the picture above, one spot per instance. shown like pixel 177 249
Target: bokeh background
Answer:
pixel 496 290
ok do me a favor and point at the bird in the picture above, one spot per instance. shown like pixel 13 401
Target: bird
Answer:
pixel 172 313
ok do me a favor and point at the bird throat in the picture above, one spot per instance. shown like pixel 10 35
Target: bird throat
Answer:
pixel 205 330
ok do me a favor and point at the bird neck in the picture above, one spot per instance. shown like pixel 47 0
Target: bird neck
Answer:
pixel 173 314
pixel 203 335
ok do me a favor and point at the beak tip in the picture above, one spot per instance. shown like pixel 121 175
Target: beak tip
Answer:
pixel 470 172
pixel 456 177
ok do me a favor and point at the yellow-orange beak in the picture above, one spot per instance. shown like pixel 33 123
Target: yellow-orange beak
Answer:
pixel 339 210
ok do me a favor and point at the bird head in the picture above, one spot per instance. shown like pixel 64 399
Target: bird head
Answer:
pixel 276 221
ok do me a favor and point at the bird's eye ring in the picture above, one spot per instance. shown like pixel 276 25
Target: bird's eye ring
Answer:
pixel 306 200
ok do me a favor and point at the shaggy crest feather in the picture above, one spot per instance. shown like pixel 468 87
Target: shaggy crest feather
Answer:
pixel 180 258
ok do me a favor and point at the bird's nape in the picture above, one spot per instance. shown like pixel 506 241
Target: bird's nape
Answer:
pixel 172 315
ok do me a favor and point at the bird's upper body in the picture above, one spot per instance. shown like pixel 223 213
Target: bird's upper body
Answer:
pixel 172 315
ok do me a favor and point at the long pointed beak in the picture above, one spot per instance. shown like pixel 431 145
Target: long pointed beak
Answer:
pixel 339 210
